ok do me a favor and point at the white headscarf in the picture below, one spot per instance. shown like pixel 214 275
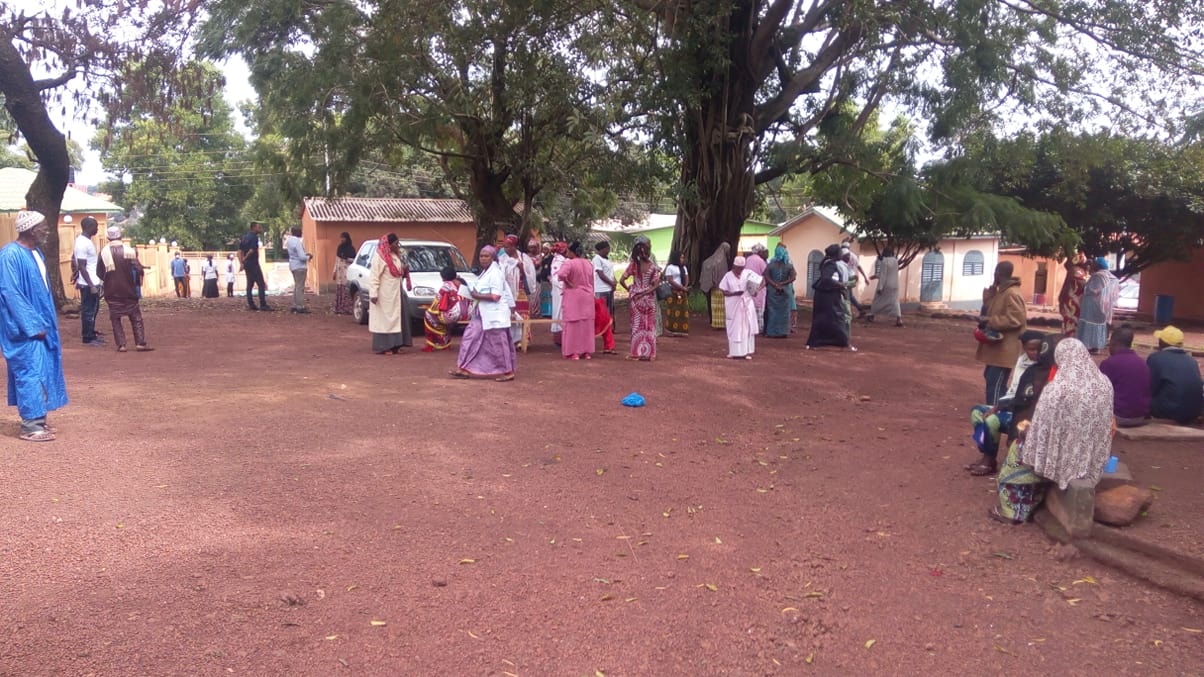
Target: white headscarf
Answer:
pixel 1071 434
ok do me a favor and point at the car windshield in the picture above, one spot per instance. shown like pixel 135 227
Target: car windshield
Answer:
pixel 430 259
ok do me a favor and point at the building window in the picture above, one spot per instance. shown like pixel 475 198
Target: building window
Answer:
pixel 973 264
pixel 814 259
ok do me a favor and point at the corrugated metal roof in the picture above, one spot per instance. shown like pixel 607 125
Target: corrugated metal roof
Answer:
pixel 15 182
pixel 387 209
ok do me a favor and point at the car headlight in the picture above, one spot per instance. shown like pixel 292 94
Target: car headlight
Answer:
pixel 423 291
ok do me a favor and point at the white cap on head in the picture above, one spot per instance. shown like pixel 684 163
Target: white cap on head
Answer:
pixel 739 261
pixel 113 233
pixel 27 220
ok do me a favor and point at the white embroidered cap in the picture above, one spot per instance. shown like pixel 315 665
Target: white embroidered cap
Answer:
pixel 27 220
pixel 113 233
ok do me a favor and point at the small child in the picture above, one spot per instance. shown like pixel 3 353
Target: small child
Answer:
pixel 445 312
pixel 604 326
pixel 988 420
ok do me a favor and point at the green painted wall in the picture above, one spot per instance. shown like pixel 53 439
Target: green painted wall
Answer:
pixel 662 240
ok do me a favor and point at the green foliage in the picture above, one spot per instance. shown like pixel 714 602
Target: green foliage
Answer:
pixel 188 175
pixel 502 95
pixel 1137 196
pixel 892 204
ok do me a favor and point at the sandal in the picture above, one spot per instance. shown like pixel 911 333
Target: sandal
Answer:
pixel 587 356
pixel 459 374
pixel 994 514
pixel 38 436
pixel 503 379
pixel 610 352
pixel 121 349
pixel 982 470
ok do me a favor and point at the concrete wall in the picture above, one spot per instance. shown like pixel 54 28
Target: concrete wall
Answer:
pixel 1180 280
pixel 957 290
pixel 1028 269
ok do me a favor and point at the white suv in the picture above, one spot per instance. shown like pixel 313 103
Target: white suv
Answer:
pixel 425 259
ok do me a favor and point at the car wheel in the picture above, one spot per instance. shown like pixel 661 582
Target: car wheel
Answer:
pixel 359 306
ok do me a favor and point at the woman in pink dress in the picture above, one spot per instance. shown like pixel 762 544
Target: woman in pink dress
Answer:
pixel 641 295
pixel 577 305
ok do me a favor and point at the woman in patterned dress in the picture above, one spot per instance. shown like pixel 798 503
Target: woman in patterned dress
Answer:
pixel 641 295
pixel 677 306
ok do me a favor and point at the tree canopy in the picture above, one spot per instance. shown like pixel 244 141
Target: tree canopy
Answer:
pixel 1135 196
pixel 501 93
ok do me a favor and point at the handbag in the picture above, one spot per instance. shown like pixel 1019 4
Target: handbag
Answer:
pixel 664 290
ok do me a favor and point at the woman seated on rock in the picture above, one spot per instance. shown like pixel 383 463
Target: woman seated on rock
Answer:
pixel 1070 436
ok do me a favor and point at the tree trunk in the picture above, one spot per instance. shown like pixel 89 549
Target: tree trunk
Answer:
pixel 717 174
pixel 492 208
pixel 24 103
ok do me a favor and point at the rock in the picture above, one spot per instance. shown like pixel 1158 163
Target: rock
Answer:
pixel 1120 506
pixel 1072 507
pixel 865 398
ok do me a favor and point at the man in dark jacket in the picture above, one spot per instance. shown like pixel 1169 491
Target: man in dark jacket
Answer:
pixel 1176 389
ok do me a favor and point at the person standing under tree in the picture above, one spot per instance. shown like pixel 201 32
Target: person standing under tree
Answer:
pixel 121 272
pixel 230 276
pixel 298 265
pixel 84 261
pixel 30 330
pixel 179 275
pixel 886 297
pixel 209 278
pixel 248 258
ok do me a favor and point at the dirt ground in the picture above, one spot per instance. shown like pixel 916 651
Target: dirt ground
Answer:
pixel 262 495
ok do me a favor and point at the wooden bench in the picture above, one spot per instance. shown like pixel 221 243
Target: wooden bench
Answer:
pixel 528 325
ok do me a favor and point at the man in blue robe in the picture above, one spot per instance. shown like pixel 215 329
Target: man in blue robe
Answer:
pixel 29 330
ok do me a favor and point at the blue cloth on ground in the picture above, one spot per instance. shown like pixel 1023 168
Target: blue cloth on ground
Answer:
pixel 633 400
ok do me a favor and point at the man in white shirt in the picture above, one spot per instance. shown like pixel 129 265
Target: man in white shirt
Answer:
pixel 298 265
pixel 84 259
pixel 604 276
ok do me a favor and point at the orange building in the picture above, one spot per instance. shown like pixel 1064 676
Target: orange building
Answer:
pixel 322 219
pixel 1183 280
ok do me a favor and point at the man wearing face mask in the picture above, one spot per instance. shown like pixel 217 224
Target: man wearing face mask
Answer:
pixel 29 330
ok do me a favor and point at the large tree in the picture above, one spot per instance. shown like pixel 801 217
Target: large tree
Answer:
pixel 743 87
pixel 500 92
pixel 74 53
pixel 188 177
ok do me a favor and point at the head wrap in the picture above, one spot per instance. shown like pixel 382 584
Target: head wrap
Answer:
pixel 739 261
pixel 758 247
pixel 780 254
pixel 511 240
pixel 1102 262
pixel 114 233
pixel 27 220
pixel 385 251
pixel 560 247
pixel 1071 434
pixel 489 249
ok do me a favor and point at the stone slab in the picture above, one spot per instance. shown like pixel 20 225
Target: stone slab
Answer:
pixel 1158 430
pixel 1073 507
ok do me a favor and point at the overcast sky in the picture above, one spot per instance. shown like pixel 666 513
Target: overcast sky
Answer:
pixel 72 121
